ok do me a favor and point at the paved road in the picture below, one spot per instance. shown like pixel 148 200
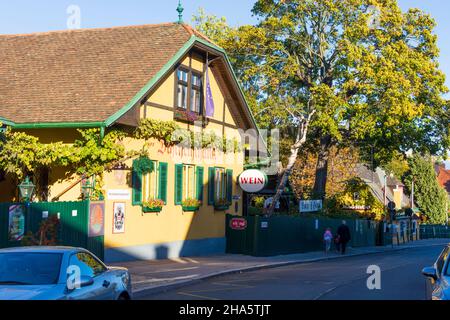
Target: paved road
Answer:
pixel 342 279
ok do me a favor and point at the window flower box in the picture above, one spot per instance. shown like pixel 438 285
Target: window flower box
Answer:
pixel 153 205
pixel 191 205
pixel 221 208
pixel 190 209
pixel 150 210
pixel 221 205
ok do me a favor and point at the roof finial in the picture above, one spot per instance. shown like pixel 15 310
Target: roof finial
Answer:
pixel 180 10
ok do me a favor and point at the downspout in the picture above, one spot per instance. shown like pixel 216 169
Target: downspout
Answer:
pixel 102 133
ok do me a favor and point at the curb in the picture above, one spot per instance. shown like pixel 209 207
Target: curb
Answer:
pixel 183 283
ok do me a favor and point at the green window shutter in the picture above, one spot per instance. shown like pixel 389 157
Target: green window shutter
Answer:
pixel 178 184
pixel 136 182
pixel 230 186
pixel 199 187
pixel 162 185
pixel 211 185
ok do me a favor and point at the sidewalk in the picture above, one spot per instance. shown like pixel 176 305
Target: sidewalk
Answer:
pixel 151 277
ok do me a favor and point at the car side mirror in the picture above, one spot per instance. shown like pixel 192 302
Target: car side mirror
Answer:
pixel 86 281
pixel 430 273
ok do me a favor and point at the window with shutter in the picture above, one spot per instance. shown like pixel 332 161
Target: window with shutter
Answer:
pixel 229 186
pixel 211 185
pixel 163 173
pixel 178 184
pixel 199 187
pixel 136 181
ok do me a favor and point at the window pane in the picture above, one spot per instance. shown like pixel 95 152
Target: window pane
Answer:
pixel 195 100
pixel 196 81
pixel 188 182
pixel 182 96
pixel 182 75
pixel 220 184
pixel 30 268
pixel 150 184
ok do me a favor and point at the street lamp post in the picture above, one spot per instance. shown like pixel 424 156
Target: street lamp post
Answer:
pixel 26 189
pixel 87 188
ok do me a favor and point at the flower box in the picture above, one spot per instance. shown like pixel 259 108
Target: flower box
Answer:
pixel 149 210
pixel 221 207
pixel 190 209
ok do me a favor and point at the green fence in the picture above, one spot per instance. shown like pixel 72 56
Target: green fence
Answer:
pixel 434 231
pixel 73 229
pixel 280 235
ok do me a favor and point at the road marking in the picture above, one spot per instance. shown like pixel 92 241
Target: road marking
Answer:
pixel 165 279
pixel 217 290
pixel 196 296
pixel 323 294
pixel 171 270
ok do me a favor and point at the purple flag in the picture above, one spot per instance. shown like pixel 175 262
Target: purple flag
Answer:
pixel 209 98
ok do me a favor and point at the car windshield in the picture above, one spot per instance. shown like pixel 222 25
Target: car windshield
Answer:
pixel 25 268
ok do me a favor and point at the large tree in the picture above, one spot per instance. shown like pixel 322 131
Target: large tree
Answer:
pixel 431 198
pixel 337 71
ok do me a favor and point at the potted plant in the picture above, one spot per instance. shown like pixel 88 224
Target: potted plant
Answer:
pixel 152 205
pixel 191 205
pixel 221 205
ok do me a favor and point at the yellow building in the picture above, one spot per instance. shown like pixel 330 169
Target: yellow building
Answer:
pixel 52 84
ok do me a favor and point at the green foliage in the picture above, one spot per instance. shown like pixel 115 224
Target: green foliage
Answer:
pixel 23 154
pixel 159 130
pixel 92 154
pixel 356 194
pixel 191 203
pixel 430 197
pixel 143 165
pixel 398 166
pixel 259 202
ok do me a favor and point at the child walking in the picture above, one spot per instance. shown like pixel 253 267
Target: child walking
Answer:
pixel 327 238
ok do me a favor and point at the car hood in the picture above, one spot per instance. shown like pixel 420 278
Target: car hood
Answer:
pixel 25 292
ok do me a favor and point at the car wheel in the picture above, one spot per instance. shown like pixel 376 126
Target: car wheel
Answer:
pixel 124 297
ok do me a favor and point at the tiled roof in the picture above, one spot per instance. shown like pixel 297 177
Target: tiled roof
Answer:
pixel 82 75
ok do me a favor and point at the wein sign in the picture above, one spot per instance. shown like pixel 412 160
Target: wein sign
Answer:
pixel 252 180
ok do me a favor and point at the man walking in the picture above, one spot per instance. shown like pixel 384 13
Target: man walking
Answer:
pixel 344 236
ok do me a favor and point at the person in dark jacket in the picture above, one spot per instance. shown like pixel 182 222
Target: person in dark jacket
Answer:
pixel 344 236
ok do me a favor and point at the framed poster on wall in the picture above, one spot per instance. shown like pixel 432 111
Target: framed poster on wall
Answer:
pixel 96 219
pixel 16 227
pixel 119 217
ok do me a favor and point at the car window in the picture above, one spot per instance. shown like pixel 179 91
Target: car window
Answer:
pixel 24 268
pixel 441 261
pixel 89 266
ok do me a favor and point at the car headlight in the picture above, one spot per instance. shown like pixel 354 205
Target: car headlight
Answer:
pixel 126 279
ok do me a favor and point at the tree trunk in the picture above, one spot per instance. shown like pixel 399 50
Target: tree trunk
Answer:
pixel 284 179
pixel 320 183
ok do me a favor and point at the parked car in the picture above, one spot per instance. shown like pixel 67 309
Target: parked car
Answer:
pixel 438 277
pixel 60 273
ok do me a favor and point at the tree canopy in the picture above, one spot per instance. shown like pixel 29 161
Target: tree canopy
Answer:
pixel 327 72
